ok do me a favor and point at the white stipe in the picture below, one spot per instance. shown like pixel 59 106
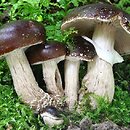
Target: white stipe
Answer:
pixel 110 57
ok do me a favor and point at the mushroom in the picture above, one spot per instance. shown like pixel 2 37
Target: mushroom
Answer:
pixel 49 55
pixel 15 37
pixel 107 26
pixel 52 116
pixel 83 51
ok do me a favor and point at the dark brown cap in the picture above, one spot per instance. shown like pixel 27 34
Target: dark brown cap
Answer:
pixel 53 111
pixel 83 50
pixel 20 34
pixel 85 18
pixel 43 52
pixel 122 42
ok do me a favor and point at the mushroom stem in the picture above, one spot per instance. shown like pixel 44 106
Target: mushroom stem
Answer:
pixel 24 82
pixel 71 82
pixel 99 79
pixel 23 79
pixel 52 77
pixel 103 41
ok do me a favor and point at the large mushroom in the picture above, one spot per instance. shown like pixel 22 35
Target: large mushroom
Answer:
pixel 109 29
pixel 15 37
pixel 49 55
pixel 83 51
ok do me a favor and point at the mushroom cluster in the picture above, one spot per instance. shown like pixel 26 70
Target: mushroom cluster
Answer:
pixel 103 36
pixel 15 38
pixel 108 29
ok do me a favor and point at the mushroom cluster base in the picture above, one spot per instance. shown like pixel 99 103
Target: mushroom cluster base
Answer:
pixel 24 82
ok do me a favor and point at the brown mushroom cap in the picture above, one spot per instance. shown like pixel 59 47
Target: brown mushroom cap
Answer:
pixel 44 52
pixel 85 18
pixel 83 50
pixel 122 42
pixel 20 34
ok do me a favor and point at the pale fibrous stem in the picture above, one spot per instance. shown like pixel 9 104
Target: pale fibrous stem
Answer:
pixel 99 80
pixel 71 82
pixel 24 82
pixel 52 77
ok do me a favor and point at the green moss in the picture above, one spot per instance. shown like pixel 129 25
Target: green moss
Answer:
pixel 13 112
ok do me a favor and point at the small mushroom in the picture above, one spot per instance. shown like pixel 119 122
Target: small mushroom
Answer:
pixel 52 116
pixel 83 51
pixel 15 37
pixel 49 55
pixel 109 29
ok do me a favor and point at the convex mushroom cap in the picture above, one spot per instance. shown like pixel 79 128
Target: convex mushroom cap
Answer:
pixel 20 34
pixel 45 52
pixel 83 50
pixel 85 19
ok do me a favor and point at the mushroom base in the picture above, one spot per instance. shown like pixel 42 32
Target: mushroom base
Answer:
pixel 99 80
pixel 24 82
